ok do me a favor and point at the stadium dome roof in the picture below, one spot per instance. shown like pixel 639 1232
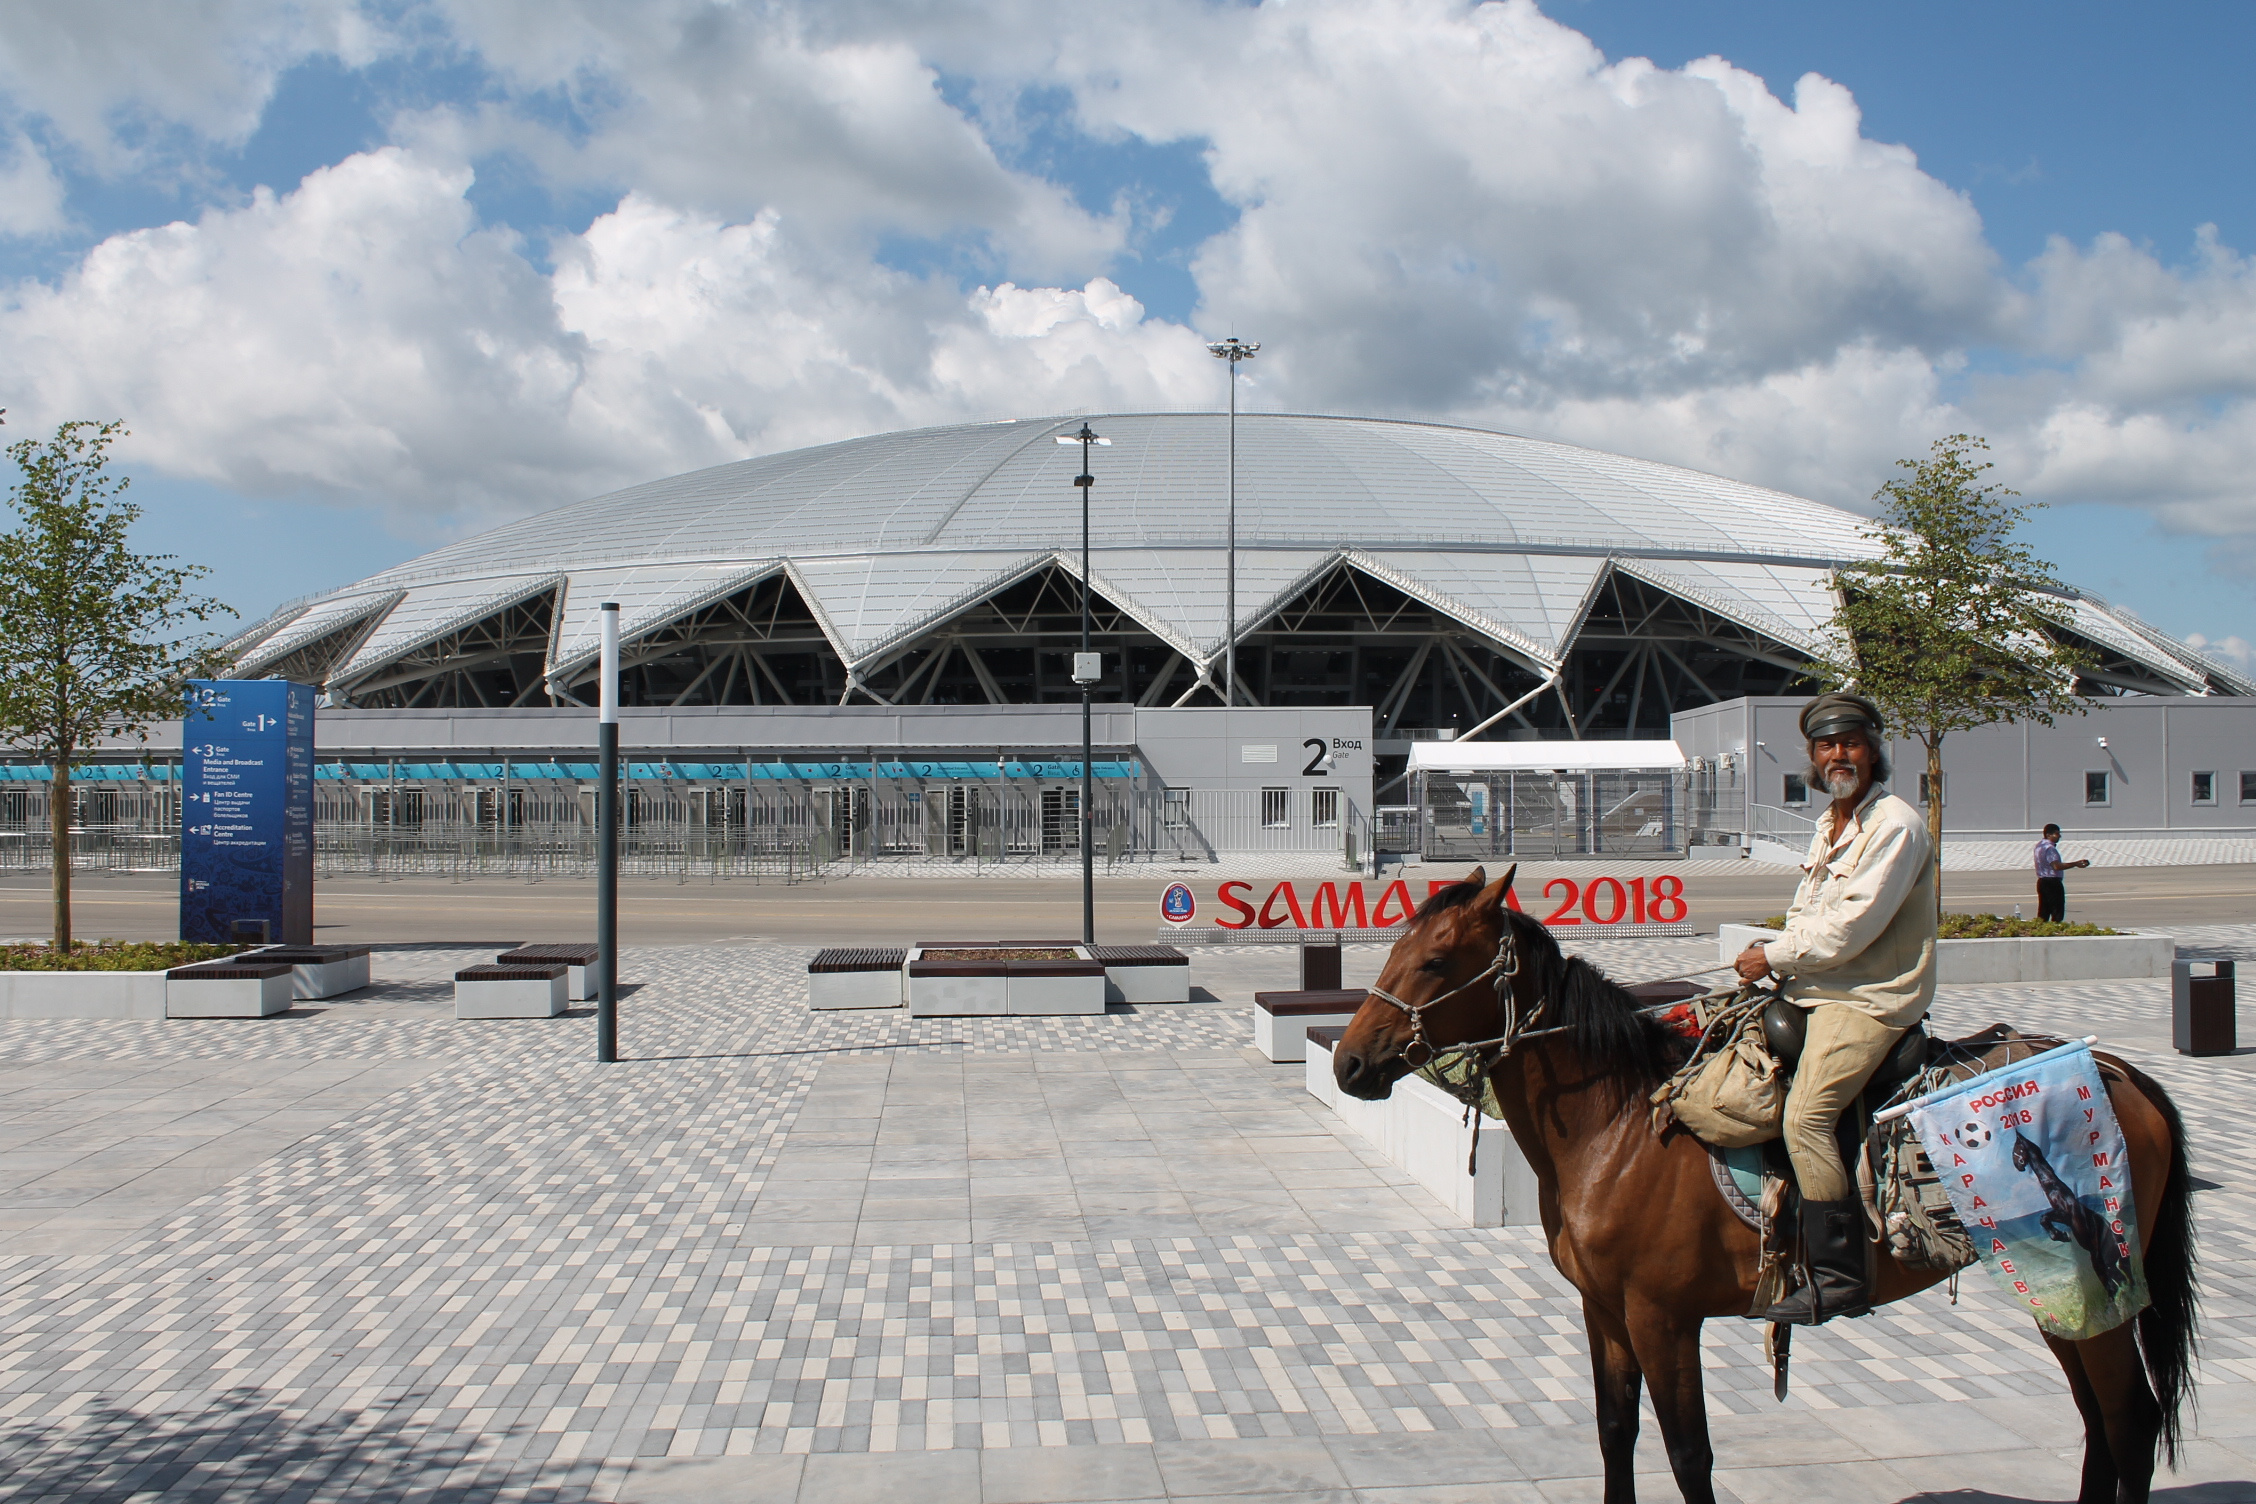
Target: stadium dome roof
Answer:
pixel 887 538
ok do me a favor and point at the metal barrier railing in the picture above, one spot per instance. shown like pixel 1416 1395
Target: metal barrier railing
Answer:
pixel 767 834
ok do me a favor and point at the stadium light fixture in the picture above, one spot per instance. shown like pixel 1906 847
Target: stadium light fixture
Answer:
pixel 1232 350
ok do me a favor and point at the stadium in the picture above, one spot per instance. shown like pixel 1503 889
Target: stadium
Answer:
pixel 1436 574
pixel 862 651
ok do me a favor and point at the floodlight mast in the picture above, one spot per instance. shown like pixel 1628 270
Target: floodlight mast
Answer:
pixel 1232 350
pixel 1086 672
pixel 607 842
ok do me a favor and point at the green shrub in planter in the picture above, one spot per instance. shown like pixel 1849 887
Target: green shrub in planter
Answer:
pixel 113 955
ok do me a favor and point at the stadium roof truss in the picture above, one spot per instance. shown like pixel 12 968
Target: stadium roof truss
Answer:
pixel 1437 574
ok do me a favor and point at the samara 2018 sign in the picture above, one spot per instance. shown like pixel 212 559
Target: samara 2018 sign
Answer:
pixel 1644 901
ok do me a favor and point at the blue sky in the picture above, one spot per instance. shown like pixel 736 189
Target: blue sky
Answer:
pixel 608 237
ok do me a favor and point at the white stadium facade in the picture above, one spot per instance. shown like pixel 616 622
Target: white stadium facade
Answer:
pixel 1436 574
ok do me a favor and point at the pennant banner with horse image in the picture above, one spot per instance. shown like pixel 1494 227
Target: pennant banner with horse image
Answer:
pixel 2034 1162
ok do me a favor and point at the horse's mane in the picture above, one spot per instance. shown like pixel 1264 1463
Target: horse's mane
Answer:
pixel 1601 1018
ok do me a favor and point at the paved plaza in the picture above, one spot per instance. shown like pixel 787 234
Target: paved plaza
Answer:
pixel 362 1251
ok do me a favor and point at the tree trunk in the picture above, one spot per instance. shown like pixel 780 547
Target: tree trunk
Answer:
pixel 59 829
pixel 1935 815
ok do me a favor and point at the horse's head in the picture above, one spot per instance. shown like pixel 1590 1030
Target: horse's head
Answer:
pixel 1455 938
pixel 2023 1151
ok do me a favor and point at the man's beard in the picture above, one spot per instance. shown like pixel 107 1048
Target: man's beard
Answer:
pixel 1842 783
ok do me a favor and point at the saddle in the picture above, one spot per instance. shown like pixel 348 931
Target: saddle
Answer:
pixel 1786 1027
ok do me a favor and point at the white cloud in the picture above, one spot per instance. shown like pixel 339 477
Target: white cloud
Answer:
pixel 733 112
pixel 1442 209
pixel 113 79
pixel 361 336
pixel 2237 651
pixel 31 195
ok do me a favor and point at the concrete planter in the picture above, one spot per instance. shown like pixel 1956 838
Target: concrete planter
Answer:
pixel 82 994
pixel 855 989
pixel 320 971
pixel 857 977
pixel 1420 1129
pixel 2062 958
pixel 934 993
pixel 581 960
pixel 1281 1020
pixel 211 990
pixel 952 989
pixel 1053 987
pixel 1145 973
pixel 509 991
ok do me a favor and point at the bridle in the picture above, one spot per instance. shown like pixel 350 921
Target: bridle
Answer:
pixel 1485 1053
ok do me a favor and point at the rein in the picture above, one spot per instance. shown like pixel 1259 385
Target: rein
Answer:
pixel 1484 1053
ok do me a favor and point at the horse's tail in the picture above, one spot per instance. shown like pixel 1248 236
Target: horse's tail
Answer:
pixel 2166 1327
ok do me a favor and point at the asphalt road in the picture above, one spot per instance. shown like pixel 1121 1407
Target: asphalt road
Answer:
pixel 871 909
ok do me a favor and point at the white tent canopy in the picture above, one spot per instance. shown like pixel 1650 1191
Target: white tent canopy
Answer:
pixel 1543 757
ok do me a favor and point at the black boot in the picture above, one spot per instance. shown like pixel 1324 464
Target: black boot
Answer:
pixel 1840 1274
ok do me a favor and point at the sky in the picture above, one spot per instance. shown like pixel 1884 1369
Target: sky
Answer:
pixel 366 277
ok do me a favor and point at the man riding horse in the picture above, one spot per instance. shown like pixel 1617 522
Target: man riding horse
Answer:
pixel 1858 953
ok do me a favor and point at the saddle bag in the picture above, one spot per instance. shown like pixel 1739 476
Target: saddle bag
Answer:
pixel 1911 1210
pixel 1735 1096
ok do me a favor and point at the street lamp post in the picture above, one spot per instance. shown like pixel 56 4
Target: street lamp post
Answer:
pixel 1087 670
pixel 607 844
pixel 1232 350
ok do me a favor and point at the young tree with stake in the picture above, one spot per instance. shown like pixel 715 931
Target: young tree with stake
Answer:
pixel 91 639
pixel 1955 625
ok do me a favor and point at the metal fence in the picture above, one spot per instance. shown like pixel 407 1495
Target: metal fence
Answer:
pixel 1545 816
pixel 766 831
pixel 1548 816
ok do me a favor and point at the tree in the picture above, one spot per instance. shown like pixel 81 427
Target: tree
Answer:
pixel 1955 625
pixel 91 633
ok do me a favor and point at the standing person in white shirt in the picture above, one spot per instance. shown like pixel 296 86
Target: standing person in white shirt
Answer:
pixel 2052 893
pixel 1858 952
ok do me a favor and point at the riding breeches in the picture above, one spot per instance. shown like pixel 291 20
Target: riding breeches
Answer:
pixel 1840 1050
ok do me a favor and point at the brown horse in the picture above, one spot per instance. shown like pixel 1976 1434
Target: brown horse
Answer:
pixel 1633 1218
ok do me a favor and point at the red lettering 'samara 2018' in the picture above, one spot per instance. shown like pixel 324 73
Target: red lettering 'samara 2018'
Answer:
pixel 1306 905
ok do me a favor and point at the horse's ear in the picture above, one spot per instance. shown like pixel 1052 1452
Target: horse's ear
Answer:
pixel 1478 877
pixel 1492 895
pixel 1505 882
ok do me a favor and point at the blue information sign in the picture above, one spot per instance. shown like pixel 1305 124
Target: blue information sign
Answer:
pixel 246 812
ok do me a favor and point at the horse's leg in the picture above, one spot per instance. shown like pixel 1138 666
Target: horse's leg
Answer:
pixel 2128 1419
pixel 1668 1349
pixel 1613 1368
pixel 2099 1463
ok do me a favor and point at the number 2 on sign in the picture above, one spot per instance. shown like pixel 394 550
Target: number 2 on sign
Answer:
pixel 1663 904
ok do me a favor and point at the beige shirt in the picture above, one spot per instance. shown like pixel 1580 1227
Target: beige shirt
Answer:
pixel 1862 928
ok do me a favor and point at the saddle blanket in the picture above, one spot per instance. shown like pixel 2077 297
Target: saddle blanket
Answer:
pixel 2034 1163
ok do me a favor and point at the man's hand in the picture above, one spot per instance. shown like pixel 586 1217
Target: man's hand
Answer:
pixel 1753 965
pixel 2086 862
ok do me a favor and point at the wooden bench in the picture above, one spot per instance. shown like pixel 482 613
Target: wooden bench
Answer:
pixel 1281 1020
pixel 531 990
pixel 1144 973
pixel 232 987
pixel 580 958
pixel 320 970
pixel 857 977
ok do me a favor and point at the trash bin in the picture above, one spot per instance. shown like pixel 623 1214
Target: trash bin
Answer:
pixel 1320 963
pixel 2201 1007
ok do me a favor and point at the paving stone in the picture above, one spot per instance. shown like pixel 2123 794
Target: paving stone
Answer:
pixel 712 1269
